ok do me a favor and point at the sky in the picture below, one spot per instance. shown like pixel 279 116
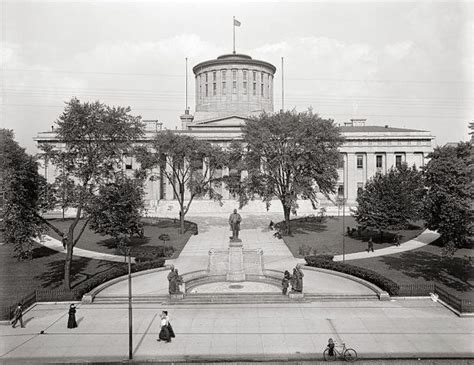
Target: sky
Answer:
pixel 403 64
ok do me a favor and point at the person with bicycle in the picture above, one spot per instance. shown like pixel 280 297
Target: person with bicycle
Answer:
pixel 331 347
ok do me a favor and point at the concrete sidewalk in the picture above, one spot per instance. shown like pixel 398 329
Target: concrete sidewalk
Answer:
pixel 414 328
pixel 422 240
pixel 56 245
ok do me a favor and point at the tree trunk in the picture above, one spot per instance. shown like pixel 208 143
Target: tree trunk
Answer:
pixel 68 262
pixel 286 211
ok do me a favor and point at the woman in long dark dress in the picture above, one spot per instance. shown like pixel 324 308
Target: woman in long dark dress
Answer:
pixel 164 331
pixel 71 323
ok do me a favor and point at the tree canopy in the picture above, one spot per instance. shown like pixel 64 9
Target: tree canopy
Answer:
pixel 116 209
pixel 93 138
pixel 24 194
pixel 448 202
pixel 390 201
pixel 289 156
pixel 179 159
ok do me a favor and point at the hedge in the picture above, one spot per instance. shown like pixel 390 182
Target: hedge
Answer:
pixel 151 253
pixel 373 277
pixel 116 271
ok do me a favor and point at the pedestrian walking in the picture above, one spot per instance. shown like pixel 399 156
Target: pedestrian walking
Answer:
pixel 71 323
pixel 285 283
pixel 165 334
pixel 18 316
pixel 170 328
pixel 397 240
pixel 370 245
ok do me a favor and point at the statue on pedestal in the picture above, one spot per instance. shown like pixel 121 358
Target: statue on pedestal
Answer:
pixel 234 222
pixel 175 280
pixel 297 280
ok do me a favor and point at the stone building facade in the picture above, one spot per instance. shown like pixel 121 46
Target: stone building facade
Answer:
pixel 233 87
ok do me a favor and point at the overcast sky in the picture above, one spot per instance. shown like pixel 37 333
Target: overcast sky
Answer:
pixel 405 64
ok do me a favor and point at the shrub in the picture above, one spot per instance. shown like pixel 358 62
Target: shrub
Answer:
pixel 324 257
pixel 116 271
pixel 371 276
pixel 151 253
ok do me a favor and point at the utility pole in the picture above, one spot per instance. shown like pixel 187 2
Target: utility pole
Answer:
pixel 282 87
pixel 186 106
pixel 130 323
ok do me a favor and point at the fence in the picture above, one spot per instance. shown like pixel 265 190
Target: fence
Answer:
pixel 39 295
pixel 461 305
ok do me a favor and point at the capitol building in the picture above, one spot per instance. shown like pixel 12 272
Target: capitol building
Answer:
pixel 233 87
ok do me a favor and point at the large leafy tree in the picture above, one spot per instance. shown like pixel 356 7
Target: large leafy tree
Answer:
pixel 179 159
pixel 289 156
pixel 390 201
pixel 93 139
pixel 448 202
pixel 24 191
pixel 116 209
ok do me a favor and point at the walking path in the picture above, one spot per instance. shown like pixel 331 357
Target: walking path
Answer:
pixel 416 328
pixel 57 245
pixel 213 233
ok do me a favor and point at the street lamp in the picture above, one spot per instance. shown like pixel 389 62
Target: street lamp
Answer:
pixel 130 324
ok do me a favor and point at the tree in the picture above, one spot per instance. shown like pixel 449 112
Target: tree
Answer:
pixel 179 159
pixel 448 202
pixel 116 210
pixel 93 139
pixel 288 156
pixel 390 201
pixel 24 192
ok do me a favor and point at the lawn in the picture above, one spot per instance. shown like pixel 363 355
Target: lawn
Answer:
pixel 153 229
pixel 426 264
pixel 326 237
pixel 46 269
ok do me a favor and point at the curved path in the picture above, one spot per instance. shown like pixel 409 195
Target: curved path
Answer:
pixel 213 233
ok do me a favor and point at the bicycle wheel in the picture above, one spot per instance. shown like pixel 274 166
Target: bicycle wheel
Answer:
pixel 350 355
pixel 328 357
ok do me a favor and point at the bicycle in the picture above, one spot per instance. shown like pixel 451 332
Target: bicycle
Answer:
pixel 348 354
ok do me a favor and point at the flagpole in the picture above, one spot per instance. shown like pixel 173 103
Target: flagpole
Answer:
pixel 233 32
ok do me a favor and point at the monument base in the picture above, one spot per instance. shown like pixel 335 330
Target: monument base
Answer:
pixel 177 296
pixel 235 240
pixel 296 295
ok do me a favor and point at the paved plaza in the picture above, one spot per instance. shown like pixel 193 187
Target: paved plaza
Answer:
pixel 404 328
pixel 401 328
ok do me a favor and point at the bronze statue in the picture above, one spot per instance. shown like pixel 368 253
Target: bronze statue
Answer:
pixel 234 222
pixel 175 280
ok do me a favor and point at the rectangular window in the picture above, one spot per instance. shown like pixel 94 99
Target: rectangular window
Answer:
pixel 207 93
pixel 200 91
pixel 245 87
pixel 262 76
pixel 398 161
pixel 206 76
pixel 360 161
pixel 234 87
pixel 360 188
pixel 223 88
pixel 223 74
pixel 214 88
pixel 340 162
pixel 255 76
pixel 255 88
pixel 244 72
pixel 234 75
pixel 340 191
pixel 128 163
pixel 378 161
pixel 214 74
pixel 261 89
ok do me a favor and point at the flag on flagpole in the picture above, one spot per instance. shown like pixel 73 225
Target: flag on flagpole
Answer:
pixel 236 23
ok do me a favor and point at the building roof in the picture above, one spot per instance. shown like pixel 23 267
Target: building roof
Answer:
pixel 231 59
pixel 376 129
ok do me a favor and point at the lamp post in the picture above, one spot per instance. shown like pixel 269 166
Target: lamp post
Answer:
pixel 130 323
pixel 343 229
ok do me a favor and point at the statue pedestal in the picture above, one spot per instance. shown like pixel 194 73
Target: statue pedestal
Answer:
pixel 296 295
pixel 177 296
pixel 236 261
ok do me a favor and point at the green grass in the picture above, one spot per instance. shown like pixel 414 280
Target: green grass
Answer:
pixel 326 237
pixel 46 269
pixel 426 264
pixel 154 227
